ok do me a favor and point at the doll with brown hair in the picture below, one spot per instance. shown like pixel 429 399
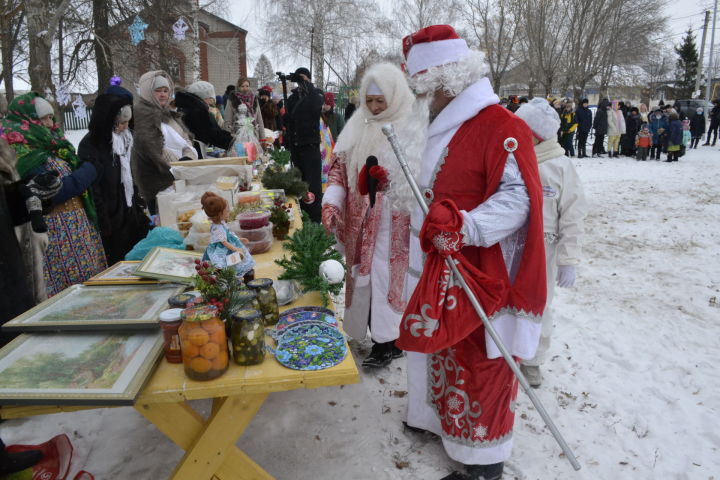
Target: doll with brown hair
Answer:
pixel 223 242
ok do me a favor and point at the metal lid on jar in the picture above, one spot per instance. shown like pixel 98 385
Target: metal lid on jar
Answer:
pixel 260 283
pixel 171 315
pixel 199 313
pixel 247 314
pixel 181 300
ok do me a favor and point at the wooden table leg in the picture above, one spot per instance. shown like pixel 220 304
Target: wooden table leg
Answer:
pixel 209 446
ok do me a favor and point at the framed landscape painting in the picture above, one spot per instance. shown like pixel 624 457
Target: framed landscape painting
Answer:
pixel 122 273
pixel 169 264
pixel 92 307
pixel 103 368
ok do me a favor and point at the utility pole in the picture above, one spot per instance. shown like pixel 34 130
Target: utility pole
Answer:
pixel 708 83
pixel 702 52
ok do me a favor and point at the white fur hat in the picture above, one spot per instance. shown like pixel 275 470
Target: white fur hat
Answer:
pixel 43 107
pixel 541 117
pixel 202 89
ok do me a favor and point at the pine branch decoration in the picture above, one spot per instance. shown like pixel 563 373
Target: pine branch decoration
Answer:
pixel 309 247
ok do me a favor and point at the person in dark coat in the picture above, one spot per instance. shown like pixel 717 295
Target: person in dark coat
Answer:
pixel 583 116
pixel 302 119
pixel 632 127
pixel 674 138
pixel 16 291
pixel 658 127
pixel 697 127
pixel 268 109
pixel 108 146
pixel 600 124
pixel 199 120
pixel 350 108
pixel 714 122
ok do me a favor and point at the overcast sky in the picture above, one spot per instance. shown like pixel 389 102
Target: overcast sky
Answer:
pixel 682 13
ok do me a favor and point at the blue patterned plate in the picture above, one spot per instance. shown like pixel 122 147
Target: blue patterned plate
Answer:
pixel 310 345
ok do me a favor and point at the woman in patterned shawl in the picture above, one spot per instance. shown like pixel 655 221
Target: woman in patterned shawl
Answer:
pixel 74 251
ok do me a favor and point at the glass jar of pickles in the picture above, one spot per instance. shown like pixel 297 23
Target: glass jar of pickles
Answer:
pixel 248 337
pixel 267 299
pixel 203 343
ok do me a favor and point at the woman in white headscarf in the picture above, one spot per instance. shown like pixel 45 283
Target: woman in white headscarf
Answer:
pixel 160 136
pixel 375 238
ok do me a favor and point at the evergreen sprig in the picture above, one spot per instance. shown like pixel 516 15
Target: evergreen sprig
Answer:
pixel 309 247
pixel 275 177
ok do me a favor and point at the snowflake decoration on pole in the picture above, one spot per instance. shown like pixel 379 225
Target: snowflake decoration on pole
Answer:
pixel 63 97
pixel 79 107
pixel 137 30
pixel 179 29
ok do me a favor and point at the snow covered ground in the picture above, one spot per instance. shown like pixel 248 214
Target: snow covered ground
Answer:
pixel 632 383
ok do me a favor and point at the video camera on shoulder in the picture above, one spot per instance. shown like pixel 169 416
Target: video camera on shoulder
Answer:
pixel 291 77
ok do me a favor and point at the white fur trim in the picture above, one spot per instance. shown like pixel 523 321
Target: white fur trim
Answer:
pixel 334 195
pixel 431 54
pixel 541 117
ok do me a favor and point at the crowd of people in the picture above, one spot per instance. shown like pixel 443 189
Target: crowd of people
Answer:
pixel 621 129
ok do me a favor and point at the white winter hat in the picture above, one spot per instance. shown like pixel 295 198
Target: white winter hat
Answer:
pixel 542 118
pixel 43 107
pixel 202 89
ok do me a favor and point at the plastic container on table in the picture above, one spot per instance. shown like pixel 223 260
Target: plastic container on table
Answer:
pixel 203 343
pixel 170 321
pixel 251 220
pixel 182 300
pixel 267 298
pixel 248 337
pixel 260 246
pixel 256 234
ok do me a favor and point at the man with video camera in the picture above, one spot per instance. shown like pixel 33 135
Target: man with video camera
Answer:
pixel 302 119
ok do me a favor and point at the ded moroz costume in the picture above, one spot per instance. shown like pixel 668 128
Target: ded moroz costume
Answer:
pixel 479 176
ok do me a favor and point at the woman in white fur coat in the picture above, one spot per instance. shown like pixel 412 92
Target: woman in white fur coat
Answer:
pixel 375 239
pixel 564 210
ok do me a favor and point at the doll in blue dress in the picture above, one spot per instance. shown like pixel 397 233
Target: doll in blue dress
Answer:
pixel 223 242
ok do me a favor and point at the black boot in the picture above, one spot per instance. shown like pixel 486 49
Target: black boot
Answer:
pixel 478 472
pixel 380 356
pixel 396 352
pixel 12 462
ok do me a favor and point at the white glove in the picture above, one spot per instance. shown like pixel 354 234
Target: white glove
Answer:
pixel 566 276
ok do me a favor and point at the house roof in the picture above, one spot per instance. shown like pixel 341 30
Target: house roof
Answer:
pixel 220 19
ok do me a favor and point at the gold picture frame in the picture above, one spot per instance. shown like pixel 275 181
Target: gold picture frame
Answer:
pixel 82 368
pixel 169 264
pixel 122 273
pixel 93 307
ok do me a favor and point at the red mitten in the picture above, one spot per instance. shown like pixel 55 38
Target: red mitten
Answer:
pixel 381 175
pixel 441 228
pixel 362 185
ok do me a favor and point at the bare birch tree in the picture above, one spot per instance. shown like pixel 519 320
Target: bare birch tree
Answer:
pixel 495 30
pixel 13 31
pixel 42 24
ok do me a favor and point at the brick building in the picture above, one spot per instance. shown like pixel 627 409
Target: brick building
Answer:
pixel 222 51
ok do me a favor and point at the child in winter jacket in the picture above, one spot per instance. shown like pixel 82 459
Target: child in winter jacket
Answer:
pixel 697 127
pixel 643 142
pixel 675 138
pixel 564 210
pixel 687 137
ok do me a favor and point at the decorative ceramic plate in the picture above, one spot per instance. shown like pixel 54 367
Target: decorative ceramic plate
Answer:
pixel 304 314
pixel 310 346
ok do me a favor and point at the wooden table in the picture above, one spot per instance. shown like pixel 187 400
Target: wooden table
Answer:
pixel 210 451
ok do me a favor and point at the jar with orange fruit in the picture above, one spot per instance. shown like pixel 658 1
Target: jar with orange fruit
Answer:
pixel 203 343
